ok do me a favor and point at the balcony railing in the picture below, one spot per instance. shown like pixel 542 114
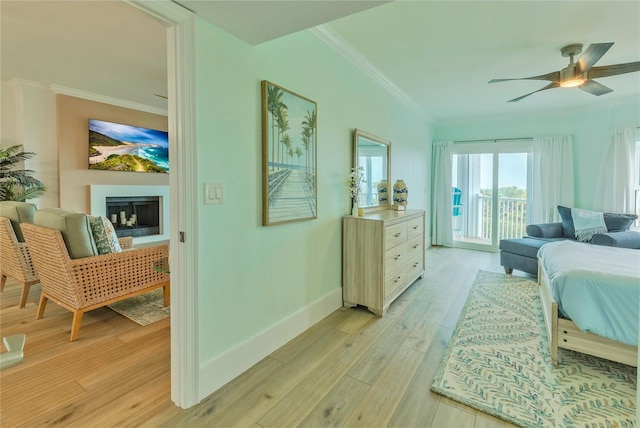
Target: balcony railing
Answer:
pixel 512 218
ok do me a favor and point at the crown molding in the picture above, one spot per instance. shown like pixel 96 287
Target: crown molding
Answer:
pixel 16 83
pixel 165 11
pixel 340 45
pixel 77 93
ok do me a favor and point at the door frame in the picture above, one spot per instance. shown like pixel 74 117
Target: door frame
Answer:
pixel 495 148
pixel 183 179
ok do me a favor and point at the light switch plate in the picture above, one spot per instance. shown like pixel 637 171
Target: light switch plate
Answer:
pixel 213 193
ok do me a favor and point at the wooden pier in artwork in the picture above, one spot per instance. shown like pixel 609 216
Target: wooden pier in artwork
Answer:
pixel 294 199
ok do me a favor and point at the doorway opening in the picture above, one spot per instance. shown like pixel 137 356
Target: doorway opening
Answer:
pixel 489 193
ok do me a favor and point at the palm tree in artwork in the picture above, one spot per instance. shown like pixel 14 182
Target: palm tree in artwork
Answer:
pixel 309 123
pixel 286 142
pixel 283 126
pixel 298 153
pixel 305 135
pixel 290 153
pixel 274 105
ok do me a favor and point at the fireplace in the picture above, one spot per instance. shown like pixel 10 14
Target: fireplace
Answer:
pixel 134 215
pixel 138 200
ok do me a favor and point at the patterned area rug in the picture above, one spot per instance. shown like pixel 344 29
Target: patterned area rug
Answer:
pixel 498 361
pixel 144 309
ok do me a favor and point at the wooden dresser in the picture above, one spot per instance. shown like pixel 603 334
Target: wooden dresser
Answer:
pixel 382 255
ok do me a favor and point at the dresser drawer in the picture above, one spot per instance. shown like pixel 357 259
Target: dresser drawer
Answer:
pixel 395 257
pixel 415 227
pixel 415 246
pixel 395 235
pixel 414 267
pixel 393 281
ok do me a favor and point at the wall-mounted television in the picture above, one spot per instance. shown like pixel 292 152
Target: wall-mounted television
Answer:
pixel 118 147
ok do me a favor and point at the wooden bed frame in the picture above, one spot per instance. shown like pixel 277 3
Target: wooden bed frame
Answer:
pixel 563 333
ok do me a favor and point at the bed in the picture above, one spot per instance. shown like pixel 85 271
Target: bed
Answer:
pixel 590 297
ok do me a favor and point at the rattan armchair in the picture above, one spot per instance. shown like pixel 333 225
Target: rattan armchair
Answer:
pixel 15 261
pixel 88 283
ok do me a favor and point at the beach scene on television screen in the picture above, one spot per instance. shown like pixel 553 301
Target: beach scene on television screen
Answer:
pixel 118 147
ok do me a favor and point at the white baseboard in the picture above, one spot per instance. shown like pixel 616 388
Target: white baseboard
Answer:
pixel 218 371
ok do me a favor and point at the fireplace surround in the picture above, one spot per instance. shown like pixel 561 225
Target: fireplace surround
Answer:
pixel 139 200
pixel 134 215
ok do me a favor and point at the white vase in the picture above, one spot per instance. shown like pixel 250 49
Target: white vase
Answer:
pixel 354 209
pixel 400 195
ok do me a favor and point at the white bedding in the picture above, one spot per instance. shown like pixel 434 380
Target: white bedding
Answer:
pixel 597 287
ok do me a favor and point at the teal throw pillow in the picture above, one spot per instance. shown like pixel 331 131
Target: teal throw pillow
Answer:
pixel 104 235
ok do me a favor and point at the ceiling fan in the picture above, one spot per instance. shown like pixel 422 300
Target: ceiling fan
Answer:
pixel 582 72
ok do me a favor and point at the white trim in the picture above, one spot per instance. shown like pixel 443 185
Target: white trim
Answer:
pixel 340 45
pixel 184 328
pixel 16 83
pixel 165 11
pixel 92 96
pixel 181 66
pixel 224 368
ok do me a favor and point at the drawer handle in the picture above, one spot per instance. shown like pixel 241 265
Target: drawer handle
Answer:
pixel 416 264
pixel 397 234
pixel 397 257
pixel 397 279
pixel 416 227
pixel 416 246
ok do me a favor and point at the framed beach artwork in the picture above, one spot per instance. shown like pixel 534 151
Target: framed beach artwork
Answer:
pixel 289 147
pixel 118 147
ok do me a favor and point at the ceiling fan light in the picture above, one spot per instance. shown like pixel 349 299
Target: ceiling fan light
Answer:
pixel 572 83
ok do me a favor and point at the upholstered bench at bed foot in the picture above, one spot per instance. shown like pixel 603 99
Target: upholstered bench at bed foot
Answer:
pixel 520 254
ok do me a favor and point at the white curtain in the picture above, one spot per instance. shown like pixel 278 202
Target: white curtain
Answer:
pixel 441 203
pixel 552 177
pixel 615 189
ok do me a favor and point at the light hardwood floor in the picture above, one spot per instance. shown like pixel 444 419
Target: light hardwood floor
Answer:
pixel 351 369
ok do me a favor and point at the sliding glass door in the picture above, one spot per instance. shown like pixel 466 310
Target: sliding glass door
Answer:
pixel 489 193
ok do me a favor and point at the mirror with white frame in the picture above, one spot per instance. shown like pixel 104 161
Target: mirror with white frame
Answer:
pixel 373 154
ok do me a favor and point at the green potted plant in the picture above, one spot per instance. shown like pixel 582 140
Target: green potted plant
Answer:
pixel 17 184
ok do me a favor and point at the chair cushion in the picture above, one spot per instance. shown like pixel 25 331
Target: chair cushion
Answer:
pixel 104 235
pixel 75 229
pixel 17 212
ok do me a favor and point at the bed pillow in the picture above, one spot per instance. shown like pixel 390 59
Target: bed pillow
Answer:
pixel 619 222
pixel 104 235
pixel 568 231
pixel 614 222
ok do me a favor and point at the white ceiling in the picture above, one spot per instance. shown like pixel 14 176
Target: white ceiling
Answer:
pixel 275 18
pixel 440 54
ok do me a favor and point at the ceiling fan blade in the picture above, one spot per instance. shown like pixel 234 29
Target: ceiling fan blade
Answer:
pixel 554 76
pixel 594 52
pixel 595 88
pixel 612 70
pixel 549 86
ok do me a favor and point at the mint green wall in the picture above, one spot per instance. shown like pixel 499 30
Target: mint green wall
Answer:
pixel 589 126
pixel 250 276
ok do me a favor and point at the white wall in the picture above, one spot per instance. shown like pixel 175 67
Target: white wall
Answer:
pixel 589 126
pixel 29 119
pixel 260 286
